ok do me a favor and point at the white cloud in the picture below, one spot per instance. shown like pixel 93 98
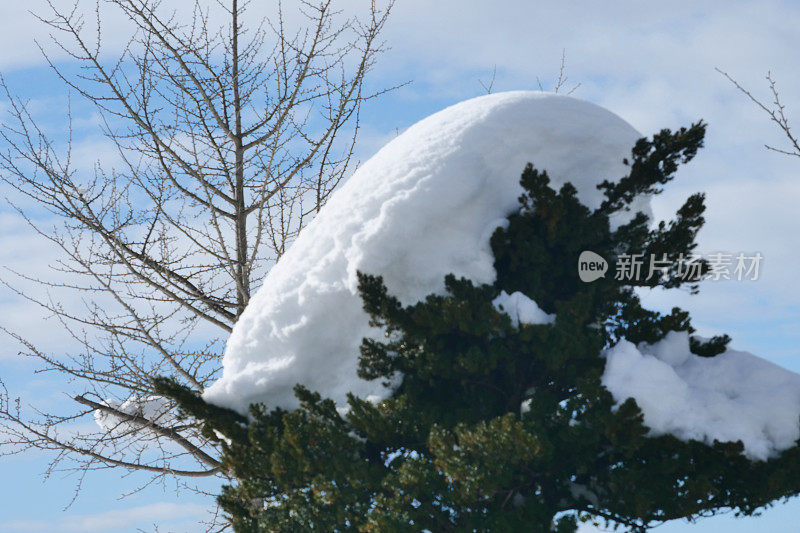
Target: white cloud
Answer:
pixel 652 64
pixel 22 26
pixel 168 517
pixel 21 29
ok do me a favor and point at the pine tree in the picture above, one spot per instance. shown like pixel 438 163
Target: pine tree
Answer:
pixel 497 426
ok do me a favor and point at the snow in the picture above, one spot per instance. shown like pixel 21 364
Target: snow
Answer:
pixel 521 309
pixel 733 396
pixel 152 408
pixel 424 206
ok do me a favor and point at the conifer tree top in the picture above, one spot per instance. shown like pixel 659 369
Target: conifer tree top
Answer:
pixel 526 402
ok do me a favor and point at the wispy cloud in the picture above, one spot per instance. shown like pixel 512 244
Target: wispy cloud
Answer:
pixel 167 516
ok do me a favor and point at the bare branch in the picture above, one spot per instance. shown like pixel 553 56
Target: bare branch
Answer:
pixel 488 87
pixel 776 111
pixel 561 81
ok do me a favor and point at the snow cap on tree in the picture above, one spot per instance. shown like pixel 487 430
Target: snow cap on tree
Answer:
pixel 422 207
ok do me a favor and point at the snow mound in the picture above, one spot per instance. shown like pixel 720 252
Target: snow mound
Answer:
pixel 521 309
pixel 424 206
pixel 733 396
pixel 152 408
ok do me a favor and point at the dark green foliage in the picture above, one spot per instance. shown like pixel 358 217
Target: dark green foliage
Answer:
pixel 654 163
pixel 494 427
pixel 713 346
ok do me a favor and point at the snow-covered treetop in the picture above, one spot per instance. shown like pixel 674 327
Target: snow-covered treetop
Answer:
pixel 424 206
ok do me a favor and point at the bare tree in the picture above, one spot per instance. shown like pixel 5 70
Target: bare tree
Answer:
pixel 775 110
pixel 230 139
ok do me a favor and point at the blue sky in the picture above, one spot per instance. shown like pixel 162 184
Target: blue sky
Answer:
pixel 652 64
